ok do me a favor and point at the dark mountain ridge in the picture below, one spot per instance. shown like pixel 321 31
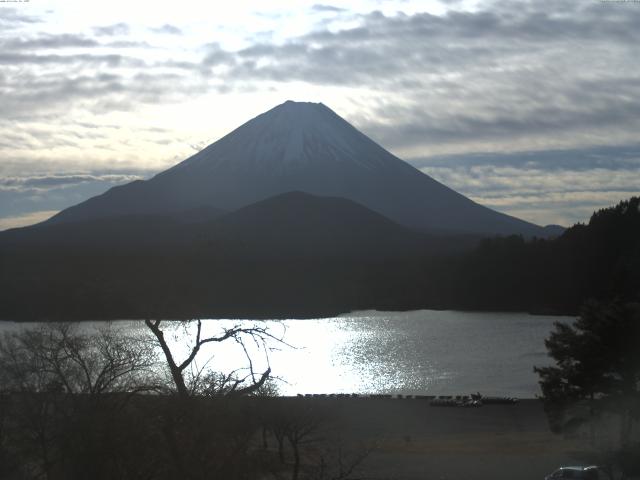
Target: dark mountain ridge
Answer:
pixel 223 268
pixel 290 225
pixel 300 225
pixel 131 231
pixel 291 253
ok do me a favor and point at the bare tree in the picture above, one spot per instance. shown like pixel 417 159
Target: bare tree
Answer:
pixel 59 358
pixel 336 463
pixel 214 383
pixel 193 383
pixel 297 423
pixel 309 441
pixel 58 381
pixel 301 430
pixel 8 463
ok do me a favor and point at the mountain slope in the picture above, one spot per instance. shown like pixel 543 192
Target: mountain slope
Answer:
pixel 133 231
pixel 303 226
pixel 286 226
pixel 294 253
pixel 301 147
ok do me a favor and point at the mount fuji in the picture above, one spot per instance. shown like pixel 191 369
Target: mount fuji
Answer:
pixel 304 147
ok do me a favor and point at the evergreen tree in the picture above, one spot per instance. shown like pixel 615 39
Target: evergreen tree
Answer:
pixel 597 364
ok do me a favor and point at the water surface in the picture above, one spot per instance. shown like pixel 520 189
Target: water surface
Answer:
pixel 416 352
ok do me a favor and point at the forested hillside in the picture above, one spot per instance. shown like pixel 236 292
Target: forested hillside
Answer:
pixel 226 269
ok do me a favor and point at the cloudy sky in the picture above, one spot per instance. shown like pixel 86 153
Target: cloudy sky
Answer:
pixel 529 107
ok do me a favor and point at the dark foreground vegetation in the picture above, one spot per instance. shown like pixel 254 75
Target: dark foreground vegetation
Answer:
pixel 61 436
pixel 75 405
pixel 309 262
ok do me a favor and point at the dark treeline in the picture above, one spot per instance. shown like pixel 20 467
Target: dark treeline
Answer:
pixel 599 260
pixel 207 275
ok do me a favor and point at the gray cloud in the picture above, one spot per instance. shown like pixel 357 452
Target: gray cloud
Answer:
pixel 326 8
pixel 580 110
pixel 47 182
pixel 168 29
pixel 543 75
pixel 110 60
pixel 386 48
pixel 127 44
pixel 216 55
pixel 494 75
pixel 11 18
pixel 62 41
pixel 123 85
pixel 555 186
pixel 624 157
pixel 511 71
pixel 112 30
pixel 48 41
pixel 520 71
pixel 97 76
pixel 42 93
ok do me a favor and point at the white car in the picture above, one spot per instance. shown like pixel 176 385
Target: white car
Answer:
pixel 579 473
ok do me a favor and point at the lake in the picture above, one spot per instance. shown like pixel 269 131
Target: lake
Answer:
pixel 417 352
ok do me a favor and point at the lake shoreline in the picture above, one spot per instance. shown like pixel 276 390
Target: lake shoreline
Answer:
pixel 297 315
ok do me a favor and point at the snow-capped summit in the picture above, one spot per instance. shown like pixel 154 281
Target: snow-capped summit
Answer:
pixel 301 146
pixel 290 135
